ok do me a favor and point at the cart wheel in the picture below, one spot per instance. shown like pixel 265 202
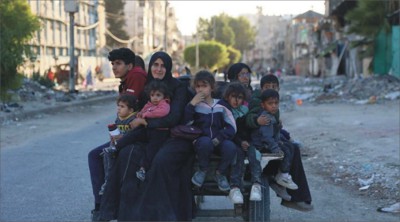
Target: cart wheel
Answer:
pixel 260 210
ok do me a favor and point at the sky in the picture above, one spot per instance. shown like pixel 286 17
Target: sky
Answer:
pixel 189 12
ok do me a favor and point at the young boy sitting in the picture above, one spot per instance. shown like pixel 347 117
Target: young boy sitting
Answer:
pixel 126 104
pixel 267 138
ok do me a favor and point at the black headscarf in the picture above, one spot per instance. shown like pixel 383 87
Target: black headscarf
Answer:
pixel 234 71
pixel 167 64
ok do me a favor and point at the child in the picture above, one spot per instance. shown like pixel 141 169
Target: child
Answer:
pixel 125 114
pixel 235 94
pixel 157 107
pixel 267 138
pixel 218 126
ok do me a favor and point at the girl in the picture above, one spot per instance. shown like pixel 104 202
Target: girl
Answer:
pixel 235 95
pixel 218 126
pixel 157 107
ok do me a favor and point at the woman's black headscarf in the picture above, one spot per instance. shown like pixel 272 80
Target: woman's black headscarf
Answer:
pixel 234 71
pixel 167 63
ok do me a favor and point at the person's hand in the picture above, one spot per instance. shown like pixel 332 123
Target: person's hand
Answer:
pixel 245 145
pixel 139 115
pixel 199 97
pixel 263 120
pixel 137 122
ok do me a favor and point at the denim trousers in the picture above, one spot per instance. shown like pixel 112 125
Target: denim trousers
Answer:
pixel 204 149
pixel 238 168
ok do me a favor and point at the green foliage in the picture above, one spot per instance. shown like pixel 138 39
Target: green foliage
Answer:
pixel 212 55
pixel 17 25
pixel 245 34
pixel 230 31
pixel 368 18
pixel 115 22
pixel 234 55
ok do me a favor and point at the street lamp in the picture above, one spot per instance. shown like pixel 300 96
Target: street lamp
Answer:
pixel 71 6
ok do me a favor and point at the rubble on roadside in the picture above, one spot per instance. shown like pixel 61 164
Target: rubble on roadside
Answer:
pixel 368 90
pixel 32 94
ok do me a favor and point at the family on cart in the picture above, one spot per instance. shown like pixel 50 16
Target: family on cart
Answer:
pixel 146 172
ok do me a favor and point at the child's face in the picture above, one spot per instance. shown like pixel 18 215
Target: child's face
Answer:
pixel 120 69
pixel 204 88
pixel 156 96
pixel 270 85
pixel 124 110
pixel 270 105
pixel 244 76
pixel 235 100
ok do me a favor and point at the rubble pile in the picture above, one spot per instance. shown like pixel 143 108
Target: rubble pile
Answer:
pixel 366 90
pixel 32 93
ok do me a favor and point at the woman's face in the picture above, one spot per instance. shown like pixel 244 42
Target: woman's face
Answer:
pixel 158 69
pixel 244 76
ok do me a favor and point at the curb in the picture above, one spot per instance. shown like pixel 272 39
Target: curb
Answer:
pixel 55 108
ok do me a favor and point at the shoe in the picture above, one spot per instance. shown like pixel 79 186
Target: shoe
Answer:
pixel 255 193
pixel 198 178
pixel 394 208
pixel 236 196
pixel 286 181
pixel 301 206
pixel 95 215
pixel 141 174
pixel 280 191
pixel 222 182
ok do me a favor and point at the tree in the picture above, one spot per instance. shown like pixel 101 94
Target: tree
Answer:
pixel 115 22
pixel 212 54
pixel 367 20
pixel 218 29
pixel 17 25
pixel 245 34
pixel 236 32
pixel 234 55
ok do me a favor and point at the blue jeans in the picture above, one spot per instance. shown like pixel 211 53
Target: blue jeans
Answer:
pixel 204 148
pixel 238 168
pixel 96 168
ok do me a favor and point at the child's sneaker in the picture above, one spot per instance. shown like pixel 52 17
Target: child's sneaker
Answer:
pixel 236 196
pixel 141 174
pixel 286 181
pixel 198 178
pixel 222 182
pixel 255 193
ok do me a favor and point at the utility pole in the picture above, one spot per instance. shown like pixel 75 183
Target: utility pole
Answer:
pixel 71 6
pixel 166 26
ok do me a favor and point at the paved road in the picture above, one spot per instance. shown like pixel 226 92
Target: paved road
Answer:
pixel 44 173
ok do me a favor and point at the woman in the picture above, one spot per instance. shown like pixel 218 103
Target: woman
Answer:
pixel 125 193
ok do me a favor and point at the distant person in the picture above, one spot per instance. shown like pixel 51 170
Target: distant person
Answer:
pixel 125 114
pixel 89 77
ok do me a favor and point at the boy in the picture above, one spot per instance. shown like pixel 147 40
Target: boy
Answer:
pixel 133 77
pixel 299 199
pixel 267 138
pixel 126 113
